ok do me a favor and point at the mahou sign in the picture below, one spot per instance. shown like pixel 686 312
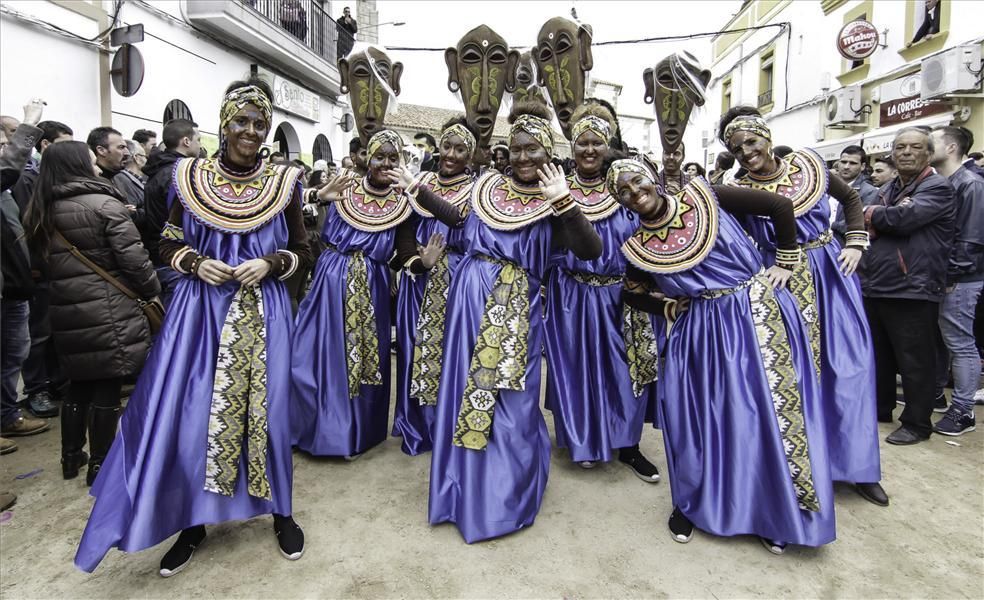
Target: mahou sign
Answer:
pixel 857 40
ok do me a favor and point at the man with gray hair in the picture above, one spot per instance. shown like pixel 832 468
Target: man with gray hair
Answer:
pixel 903 278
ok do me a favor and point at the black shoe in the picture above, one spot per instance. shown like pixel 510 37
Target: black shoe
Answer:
pixel 939 403
pixel 872 492
pixel 639 464
pixel 903 436
pixel 290 538
pixel 178 557
pixel 42 405
pixel 681 527
pixel 773 546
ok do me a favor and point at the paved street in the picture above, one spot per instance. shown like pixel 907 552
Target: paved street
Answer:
pixel 601 533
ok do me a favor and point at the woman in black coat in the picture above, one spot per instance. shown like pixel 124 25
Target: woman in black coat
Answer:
pixel 101 335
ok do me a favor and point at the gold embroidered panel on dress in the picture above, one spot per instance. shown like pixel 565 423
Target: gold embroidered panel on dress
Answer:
pixel 230 202
pixel 593 198
pixel 506 205
pixel 682 238
pixel 371 210
pixel 453 189
pixel 802 177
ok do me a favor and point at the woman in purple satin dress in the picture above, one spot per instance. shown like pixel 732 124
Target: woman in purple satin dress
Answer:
pixel 428 254
pixel 602 356
pixel 491 449
pixel 828 292
pixel 340 368
pixel 739 404
pixel 205 437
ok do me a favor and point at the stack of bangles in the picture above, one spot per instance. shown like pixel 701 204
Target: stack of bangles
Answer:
pixel 788 259
pixel 197 263
pixel 856 239
pixel 562 204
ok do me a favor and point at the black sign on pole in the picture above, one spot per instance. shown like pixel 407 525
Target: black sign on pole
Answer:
pixel 131 34
pixel 128 70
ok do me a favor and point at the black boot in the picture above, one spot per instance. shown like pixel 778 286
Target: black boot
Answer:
pixel 102 430
pixel 178 557
pixel 73 424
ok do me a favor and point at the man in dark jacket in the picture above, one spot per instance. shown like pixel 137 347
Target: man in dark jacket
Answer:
pixel 850 167
pixel 181 140
pixel 17 284
pixel 902 279
pixel 347 28
pixel 110 149
pixel 964 278
pixel 41 372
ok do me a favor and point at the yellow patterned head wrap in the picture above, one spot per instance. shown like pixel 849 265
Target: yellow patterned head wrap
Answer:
pixel 381 139
pixel 461 131
pixel 750 123
pixel 592 123
pixel 536 127
pixel 625 165
pixel 235 100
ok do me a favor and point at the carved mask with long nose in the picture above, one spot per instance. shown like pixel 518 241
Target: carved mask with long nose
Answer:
pixel 362 75
pixel 674 87
pixel 563 58
pixel 483 68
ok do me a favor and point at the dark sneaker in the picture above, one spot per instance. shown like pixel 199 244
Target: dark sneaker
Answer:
pixel 681 527
pixel 179 556
pixel 955 422
pixel 24 426
pixel 586 464
pixel 290 538
pixel 939 403
pixel 639 464
pixel 773 546
pixel 903 436
pixel 42 405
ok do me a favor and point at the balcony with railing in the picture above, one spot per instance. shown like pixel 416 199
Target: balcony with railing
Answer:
pixel 296 36
pixel 765 98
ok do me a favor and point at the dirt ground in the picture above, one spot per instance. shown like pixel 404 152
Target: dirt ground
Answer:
pixel 600 533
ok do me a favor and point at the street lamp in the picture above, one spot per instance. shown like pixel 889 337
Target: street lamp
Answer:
pixel 393 23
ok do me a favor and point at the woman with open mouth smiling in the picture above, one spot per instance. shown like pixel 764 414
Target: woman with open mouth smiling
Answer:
pixel 601 356
pixel 828 293
pixel 491 448
pixel 429 252
pixel 737 377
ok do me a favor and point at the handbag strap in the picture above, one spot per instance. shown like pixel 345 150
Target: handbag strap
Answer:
pixel 97 269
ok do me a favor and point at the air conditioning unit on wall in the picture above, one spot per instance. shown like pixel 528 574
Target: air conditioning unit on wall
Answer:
pixel 950 72
pixel 843 106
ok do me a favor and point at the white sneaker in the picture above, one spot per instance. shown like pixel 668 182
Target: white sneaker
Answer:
pixel 979 397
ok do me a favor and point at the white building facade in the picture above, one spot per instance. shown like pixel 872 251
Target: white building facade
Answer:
pixel 812 97
pixel 191 50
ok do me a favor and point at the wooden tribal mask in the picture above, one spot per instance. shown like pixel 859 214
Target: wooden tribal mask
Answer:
pixel 527 87
pixel 483 69
pixel 370 78
pixel 563 58
pixel 674 86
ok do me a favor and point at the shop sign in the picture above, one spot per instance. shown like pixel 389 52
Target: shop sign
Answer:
pixel 292 98
pixel 857 40
pixel 900 101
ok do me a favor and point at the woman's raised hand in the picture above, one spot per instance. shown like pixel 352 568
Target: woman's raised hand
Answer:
pixel 334 190
pixel 553 182
pixel 400 177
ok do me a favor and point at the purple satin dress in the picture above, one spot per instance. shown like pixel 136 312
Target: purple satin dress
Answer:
pixel 151 484
pixel 727 466
pixel 498 490
pixel 589 389
pixel 847 364
pixel 325 420
pixel 412 421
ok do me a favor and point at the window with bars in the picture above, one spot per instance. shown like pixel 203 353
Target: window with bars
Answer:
pixel 176 109
pixel 766 77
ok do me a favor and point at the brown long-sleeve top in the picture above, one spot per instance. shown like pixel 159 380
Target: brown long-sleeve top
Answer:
pixel 639 285
pixel 282 264
pixel 570 229
pixel 850 199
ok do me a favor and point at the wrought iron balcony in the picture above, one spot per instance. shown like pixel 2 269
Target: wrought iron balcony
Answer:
pixel 765 98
